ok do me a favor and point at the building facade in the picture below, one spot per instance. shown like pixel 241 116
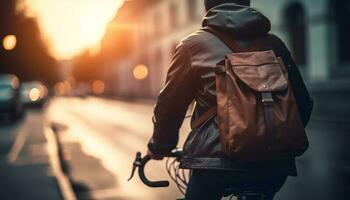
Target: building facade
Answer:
pixel 158 27
pixel 163 25
pixel 316 32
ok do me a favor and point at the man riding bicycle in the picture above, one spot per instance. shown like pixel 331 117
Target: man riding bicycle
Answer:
pixel 191 77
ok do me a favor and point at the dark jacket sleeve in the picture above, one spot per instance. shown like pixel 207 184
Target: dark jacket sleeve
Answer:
pixel 301 94
pixel 173 101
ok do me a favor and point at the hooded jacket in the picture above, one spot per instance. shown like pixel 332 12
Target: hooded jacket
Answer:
pixel 191 78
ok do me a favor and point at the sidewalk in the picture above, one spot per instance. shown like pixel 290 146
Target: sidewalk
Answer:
pixel 25 170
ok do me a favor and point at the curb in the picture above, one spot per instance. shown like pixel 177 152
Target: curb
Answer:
pixel 62 179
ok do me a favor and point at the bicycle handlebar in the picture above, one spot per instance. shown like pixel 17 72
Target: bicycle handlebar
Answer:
pixel 140 162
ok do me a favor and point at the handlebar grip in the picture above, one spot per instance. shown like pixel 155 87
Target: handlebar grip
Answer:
pixel 154 184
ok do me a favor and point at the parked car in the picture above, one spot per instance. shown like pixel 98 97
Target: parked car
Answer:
pixel 34 93
pixel 10 103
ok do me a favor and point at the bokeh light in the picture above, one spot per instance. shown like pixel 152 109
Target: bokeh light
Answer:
pixel 15 82
pixel 63 88
pixel 98 87
pixel 140 72
pixel 9 42
pixel 34 94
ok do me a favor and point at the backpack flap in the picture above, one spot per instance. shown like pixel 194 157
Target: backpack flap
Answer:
pixel 257 128
pixel 260 71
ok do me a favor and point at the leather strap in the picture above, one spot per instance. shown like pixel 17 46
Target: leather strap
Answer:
pixel 268 101
pixel 231 42
pixel 204 117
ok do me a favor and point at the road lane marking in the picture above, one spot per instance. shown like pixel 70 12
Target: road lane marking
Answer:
pixel 17 147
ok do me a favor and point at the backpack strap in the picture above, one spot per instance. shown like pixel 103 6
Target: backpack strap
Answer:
pixel 268 102
pixel 204 117
pixel 232 44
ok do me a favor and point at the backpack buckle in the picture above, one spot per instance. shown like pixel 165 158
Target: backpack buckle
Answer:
pixel 266 98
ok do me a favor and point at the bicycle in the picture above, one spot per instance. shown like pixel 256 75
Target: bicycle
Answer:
pixel 179 177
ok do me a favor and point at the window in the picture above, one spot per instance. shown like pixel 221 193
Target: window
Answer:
pixel 159 59
pixel 340 16
pixel 296 30
pixel 192 9
pixel 173 15
pixel 157 29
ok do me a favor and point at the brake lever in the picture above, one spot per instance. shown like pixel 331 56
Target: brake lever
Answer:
pixel 137 163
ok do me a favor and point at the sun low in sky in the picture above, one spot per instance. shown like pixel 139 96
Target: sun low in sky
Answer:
pixel 71 26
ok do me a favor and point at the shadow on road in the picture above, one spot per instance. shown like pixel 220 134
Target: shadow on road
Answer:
pixel 88 177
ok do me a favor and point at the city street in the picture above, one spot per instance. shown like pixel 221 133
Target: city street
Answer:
pixel 25 169
pixel 99 138
pixel 79 81
pixel 83 148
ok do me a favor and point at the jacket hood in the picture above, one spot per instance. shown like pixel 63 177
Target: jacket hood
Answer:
pixel 242 21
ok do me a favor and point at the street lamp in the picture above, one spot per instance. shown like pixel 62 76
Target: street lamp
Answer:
pixel 9 42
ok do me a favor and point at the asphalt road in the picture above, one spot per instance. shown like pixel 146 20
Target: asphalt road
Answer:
pixel 99 138
pixel 25 169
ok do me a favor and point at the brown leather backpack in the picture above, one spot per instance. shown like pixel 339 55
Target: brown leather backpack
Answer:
pixel 257 114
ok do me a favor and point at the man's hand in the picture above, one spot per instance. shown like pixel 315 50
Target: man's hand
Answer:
pixel 154 156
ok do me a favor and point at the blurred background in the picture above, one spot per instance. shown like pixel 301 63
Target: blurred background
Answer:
pixel 78 80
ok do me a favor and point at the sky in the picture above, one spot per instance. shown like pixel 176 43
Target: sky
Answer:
pixel 71 26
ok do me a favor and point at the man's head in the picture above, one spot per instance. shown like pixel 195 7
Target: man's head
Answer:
pixel 212 3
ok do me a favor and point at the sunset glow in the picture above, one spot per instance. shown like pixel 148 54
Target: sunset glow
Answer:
pixel 71 26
